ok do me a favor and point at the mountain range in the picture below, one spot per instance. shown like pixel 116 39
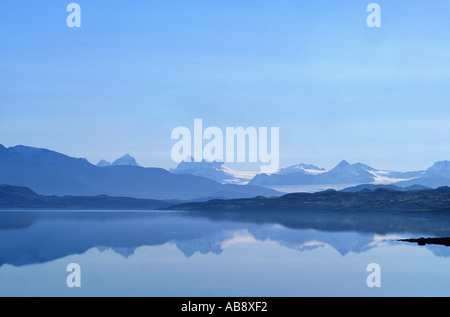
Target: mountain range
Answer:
pixel 310 178
pixel 379 200
pixel 343 173
pixel 51 173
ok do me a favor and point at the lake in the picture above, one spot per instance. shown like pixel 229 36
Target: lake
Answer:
pixel 227 254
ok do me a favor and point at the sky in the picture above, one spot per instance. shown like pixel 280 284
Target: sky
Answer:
pixel 135 70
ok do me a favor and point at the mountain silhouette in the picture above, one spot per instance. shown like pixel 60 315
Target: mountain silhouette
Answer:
pixel 435 176
pixel 16 197
pixel 341 174
pixel 300 174
pixel 51 173
pixel 127 159
pixel 380 199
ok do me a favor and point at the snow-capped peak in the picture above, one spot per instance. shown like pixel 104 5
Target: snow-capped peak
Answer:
pixel 302 168
pixel 214 170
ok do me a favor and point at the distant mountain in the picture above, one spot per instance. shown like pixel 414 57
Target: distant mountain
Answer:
pixel 346 173
pixel 300 174
pixel 50 173
pixel 216 171
pixel 372 187
pixel 436 176
pixel 124 160
pixel 343 173
pixel 432 200
pixel 302 168
pixel 14 197
pixel 103 163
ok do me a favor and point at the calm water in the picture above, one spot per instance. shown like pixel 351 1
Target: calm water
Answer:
pixel 221 254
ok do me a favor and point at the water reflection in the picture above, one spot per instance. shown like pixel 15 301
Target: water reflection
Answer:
pixel 29 237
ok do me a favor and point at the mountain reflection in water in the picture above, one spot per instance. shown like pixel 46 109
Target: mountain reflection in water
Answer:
pixel 30 237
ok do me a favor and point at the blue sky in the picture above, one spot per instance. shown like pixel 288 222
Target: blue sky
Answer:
pixel 136 70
